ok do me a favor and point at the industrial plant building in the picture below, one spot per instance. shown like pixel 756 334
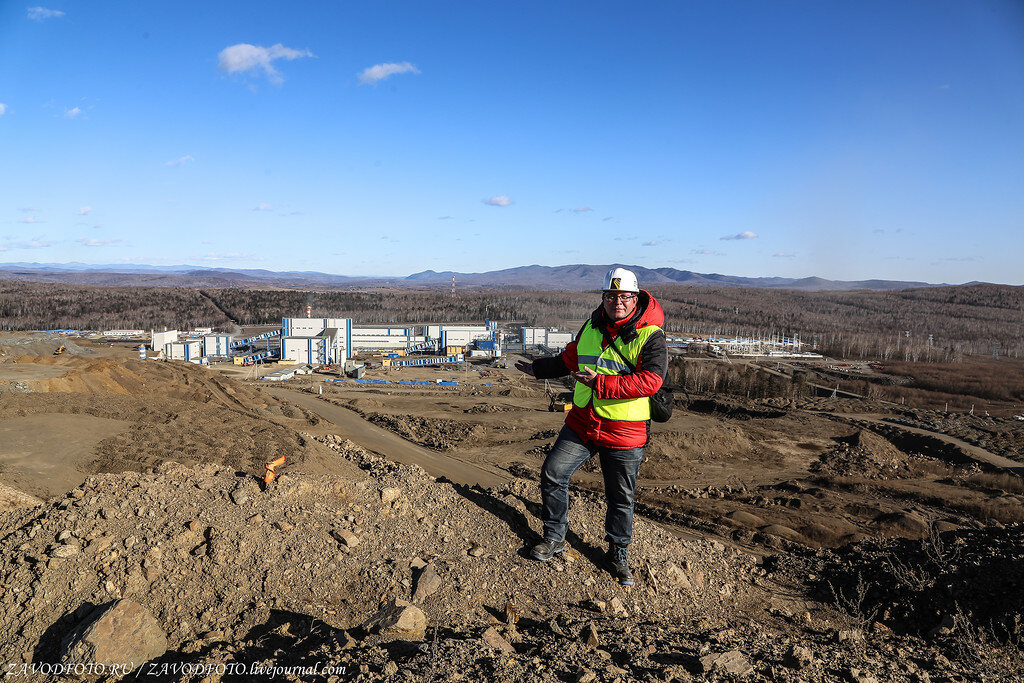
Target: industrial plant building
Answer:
pixel 332 341
pixel 316 341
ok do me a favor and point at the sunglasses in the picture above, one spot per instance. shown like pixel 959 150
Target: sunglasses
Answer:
pixel 620 297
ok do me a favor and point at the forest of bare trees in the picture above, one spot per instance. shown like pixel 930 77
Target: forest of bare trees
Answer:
pixel 940 324
pixel 736 380
pixel 39 306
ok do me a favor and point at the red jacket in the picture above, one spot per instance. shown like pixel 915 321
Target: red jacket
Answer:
pixel 651 368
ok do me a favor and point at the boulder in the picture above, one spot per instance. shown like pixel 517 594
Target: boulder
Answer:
pixel 677 577
pixel 122 632
pixel 799 657
pixel 398 618
pixel 345 537
pixel 589 635
pixel 390 494
pixel 493 639
pixel 732 662
pixel 427 583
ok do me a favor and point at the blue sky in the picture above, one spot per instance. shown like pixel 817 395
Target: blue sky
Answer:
pixel 847 140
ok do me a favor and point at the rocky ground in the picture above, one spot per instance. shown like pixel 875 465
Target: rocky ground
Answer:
pixel 774 541
pixel 393 576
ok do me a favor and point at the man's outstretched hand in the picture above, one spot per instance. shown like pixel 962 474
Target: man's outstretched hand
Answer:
pixel 586 376
pixel 525 366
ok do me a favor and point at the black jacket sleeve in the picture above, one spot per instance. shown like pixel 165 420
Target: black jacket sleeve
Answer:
pixel 550 367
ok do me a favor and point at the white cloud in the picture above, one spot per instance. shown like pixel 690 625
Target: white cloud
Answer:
pixel 84 211
pixel 500 200
pixel 245 57
pixel 263 207
pixel 607 218
pixel 30 219
pixel 93 242
pixel 782 254
pixel 72 113
pixel 378 72
pixel 652 243
pixel 745 235
pixel 43 13
pixel 232 256
pixel 445 218
pixel 34 243
pixel 706 252
pixel 180 161
pixel 582 209
pixel 28 209
pixel 3 108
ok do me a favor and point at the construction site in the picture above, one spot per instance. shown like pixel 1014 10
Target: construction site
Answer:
pixel 377 526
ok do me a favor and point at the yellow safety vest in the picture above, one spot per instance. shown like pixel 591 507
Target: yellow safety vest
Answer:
pixel 608 361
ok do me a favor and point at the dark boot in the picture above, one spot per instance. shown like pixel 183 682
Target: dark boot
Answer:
pixel 617 564
pixel 546 549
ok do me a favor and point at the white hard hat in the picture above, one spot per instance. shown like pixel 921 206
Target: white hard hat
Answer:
pixel 620 280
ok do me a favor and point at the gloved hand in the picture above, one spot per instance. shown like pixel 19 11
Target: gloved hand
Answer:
pixel 525 366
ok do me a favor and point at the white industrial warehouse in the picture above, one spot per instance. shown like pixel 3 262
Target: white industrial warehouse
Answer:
pixel 329 341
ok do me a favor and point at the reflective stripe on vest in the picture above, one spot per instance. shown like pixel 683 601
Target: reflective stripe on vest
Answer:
pixel 589 354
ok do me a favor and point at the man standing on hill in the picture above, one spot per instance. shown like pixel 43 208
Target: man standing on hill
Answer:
pixel 619 359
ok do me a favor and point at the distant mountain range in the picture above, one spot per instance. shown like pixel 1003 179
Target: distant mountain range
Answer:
pixel 571 277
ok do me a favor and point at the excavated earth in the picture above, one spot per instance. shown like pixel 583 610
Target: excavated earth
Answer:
pixel 775 540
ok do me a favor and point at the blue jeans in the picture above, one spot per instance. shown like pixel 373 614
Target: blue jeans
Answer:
pixel 619 468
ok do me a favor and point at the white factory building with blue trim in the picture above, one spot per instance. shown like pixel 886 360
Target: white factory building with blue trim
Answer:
pixel 316 341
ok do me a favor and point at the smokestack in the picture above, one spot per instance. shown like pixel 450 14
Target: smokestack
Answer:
pixel 309 311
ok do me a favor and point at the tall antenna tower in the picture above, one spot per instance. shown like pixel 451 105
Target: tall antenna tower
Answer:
pixel 453 286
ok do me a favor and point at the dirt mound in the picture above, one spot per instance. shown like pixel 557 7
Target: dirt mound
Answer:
pixel 491 408
pixel 18 344
pixel 149 412
pixel 133 377
pixel 734 409
pixel 921 444
pixel 216 559
pixel 441 435
pixel 671 453
pixel 516 392
pixel 94 377
pixel 865 454
pixel 164 429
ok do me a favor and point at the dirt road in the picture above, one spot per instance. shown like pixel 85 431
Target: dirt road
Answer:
pixel 388 444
